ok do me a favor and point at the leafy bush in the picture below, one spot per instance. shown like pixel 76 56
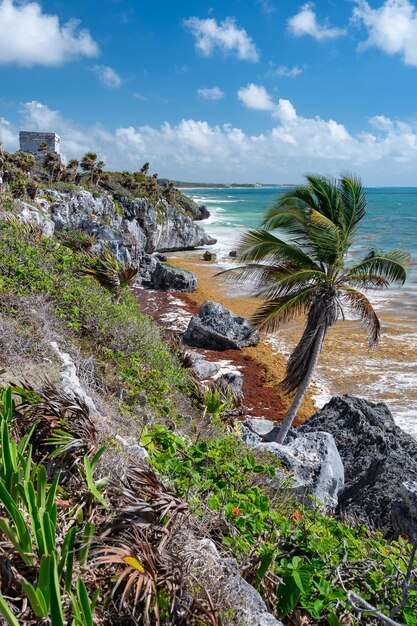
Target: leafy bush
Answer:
pixel 299 558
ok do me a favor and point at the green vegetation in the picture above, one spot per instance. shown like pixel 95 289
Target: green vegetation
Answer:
pixel 297 557
pixel 115 331
pixel 306 271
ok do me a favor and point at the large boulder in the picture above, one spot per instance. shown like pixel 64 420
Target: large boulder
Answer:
pixel 311 462
pixel 166 277
pixel 377 456
pixel 217 328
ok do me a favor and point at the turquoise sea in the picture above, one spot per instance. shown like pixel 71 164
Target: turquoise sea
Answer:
pixel 388 373
pixel 390 222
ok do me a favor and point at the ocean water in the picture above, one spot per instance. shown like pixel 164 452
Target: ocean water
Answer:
pixel 388 373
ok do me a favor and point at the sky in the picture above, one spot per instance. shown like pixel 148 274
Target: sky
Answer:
pixel 218 91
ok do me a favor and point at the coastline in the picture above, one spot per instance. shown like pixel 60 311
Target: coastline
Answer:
pixel 269 360
pixel 347 366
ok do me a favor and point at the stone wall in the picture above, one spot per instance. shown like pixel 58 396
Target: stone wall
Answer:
pixel 30 142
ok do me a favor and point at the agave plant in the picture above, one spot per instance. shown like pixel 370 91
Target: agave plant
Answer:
pixel 145 576
pixel 110 273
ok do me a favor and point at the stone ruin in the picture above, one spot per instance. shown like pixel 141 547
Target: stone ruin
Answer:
pixel 31 141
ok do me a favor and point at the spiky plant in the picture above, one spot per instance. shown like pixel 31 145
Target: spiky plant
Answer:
pixel 143 575
pixel 110 273
pixel 307 272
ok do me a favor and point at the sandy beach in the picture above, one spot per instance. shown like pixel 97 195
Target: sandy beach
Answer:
pixel 386 373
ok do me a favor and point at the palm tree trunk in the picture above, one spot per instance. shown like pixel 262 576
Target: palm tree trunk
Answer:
pixel 292 412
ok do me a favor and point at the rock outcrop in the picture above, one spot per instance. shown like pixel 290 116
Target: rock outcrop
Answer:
pixel 217 328
pixel 132 228
pixel 311 461
pixel 377 455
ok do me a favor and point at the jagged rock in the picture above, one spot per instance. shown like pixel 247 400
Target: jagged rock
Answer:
pixel 165 277
pixel 233 382
pixel 233 254
pixel 166 228
pixel 314 464
pixel 217 328
pixel 161 257
pixel 376 453
pixel 81 210
pixel 209 256
pixel 202 368
pixel 38 217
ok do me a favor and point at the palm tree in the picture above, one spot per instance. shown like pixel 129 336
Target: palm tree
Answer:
pixel 306 272
pixel 113 275
pixel 90 164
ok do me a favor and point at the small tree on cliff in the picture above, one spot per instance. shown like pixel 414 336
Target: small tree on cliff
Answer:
pixel 90 164
pixel 306 272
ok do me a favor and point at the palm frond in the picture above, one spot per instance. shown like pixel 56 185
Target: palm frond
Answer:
pixel 285 283
pixel 261 245
pixel 328 201
pixel 277 311
pixel 325 239
pixel 365 281
pixel 354 202
pixel 361 306
pixel 392 266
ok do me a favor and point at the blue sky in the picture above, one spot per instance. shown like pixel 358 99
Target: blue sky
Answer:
pixel 232 90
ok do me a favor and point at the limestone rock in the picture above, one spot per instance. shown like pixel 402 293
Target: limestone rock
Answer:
pixel 201 367
pixel 166 228
pixel 315 465
pixel 376 453
pixel 166 277
pixel 38 217
pixel 217 328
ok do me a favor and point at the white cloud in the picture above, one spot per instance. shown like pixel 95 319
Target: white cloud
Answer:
pixel 287 72
pixel 305 23
pixel 139 96
pixel 256 97
pixel 210 93
pixel 194 150
pixel 108 76
pixel 225 36
pixel 392 28
pixel 30 37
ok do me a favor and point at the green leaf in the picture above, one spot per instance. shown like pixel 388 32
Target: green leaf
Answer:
pixel 288 595
pixel 84 603
pixel 35 597
pixel 333 619
pixel 7 613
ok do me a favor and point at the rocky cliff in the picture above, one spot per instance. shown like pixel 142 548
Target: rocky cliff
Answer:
pixel 133 228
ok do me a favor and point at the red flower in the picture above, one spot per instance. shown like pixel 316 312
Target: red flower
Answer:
pixel 236 510
pixel 297 515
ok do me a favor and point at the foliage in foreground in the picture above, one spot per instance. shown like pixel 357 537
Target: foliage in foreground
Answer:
pixel 299 558
pixel 77 548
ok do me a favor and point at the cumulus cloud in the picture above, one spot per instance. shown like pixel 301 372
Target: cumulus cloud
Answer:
pixel 305 23
pixel 392 28
pixel 30 37
pixel 195 150
pixel 256 97
pixel 210 93
pixel 266 6
pixel 108 76
pixel 225 36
